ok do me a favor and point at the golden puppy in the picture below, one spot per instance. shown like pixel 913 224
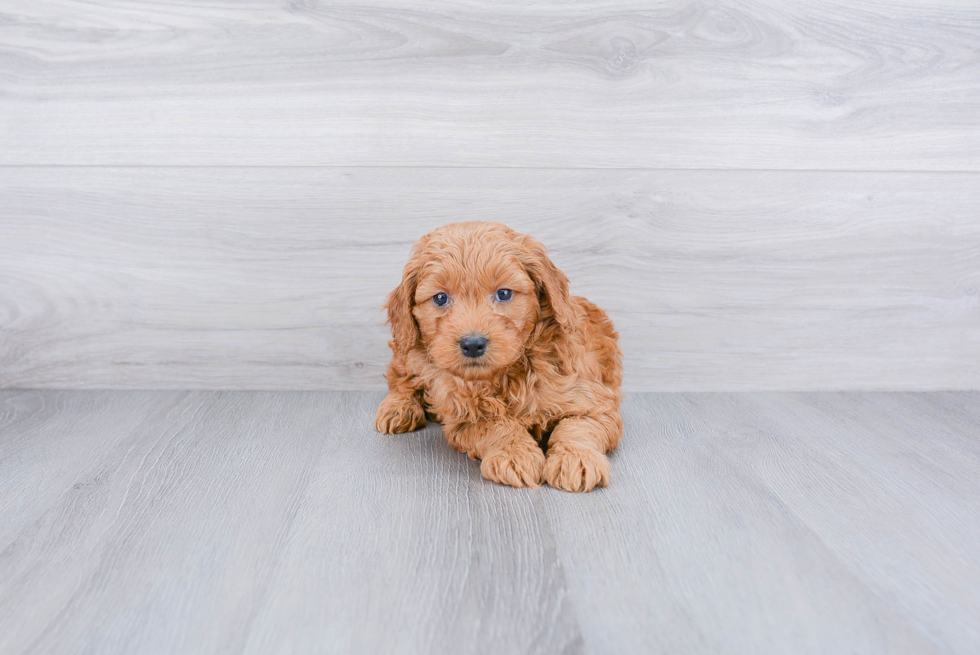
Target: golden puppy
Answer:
pixel 488 342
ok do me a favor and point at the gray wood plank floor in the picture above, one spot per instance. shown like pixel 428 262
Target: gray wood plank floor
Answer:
pixel 258 522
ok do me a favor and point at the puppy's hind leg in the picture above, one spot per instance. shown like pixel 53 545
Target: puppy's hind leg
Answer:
pixel 576 459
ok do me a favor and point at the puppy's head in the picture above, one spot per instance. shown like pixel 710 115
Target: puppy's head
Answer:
pixel 472 293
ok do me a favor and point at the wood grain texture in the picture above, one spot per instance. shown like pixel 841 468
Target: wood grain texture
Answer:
pixel 273 278
pixel 819 84
pixel 275 522
pixel 726 566
pixel 261 523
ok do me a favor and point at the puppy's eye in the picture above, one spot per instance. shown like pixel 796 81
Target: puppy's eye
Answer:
pixel 503 295
pixel 440 300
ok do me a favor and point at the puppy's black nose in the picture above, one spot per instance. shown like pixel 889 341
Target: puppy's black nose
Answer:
pixel 473 345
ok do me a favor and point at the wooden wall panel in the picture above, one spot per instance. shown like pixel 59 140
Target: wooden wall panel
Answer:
pixel 273 277
pixel 762 84
pixel 764 195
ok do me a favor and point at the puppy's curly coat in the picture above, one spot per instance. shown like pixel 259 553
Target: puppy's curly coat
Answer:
pixel 487 341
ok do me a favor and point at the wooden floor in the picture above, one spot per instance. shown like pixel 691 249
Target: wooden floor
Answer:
pixel 268 522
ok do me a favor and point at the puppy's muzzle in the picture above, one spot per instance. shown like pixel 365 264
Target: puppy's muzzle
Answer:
pixel 473 345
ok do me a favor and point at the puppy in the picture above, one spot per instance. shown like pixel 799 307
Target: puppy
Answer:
pixel 487 341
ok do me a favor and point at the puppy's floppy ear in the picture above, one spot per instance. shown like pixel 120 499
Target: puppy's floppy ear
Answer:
pixel 404 330
pixel 551 283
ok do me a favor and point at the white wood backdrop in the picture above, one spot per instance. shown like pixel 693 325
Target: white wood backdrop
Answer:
pixel 764 195
pixel 604 83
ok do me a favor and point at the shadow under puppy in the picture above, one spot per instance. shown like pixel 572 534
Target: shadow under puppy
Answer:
pixel 487 341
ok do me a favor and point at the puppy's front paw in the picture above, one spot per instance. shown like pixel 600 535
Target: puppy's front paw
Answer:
pixel 573 467
pixel 517 463
pixel 399 413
